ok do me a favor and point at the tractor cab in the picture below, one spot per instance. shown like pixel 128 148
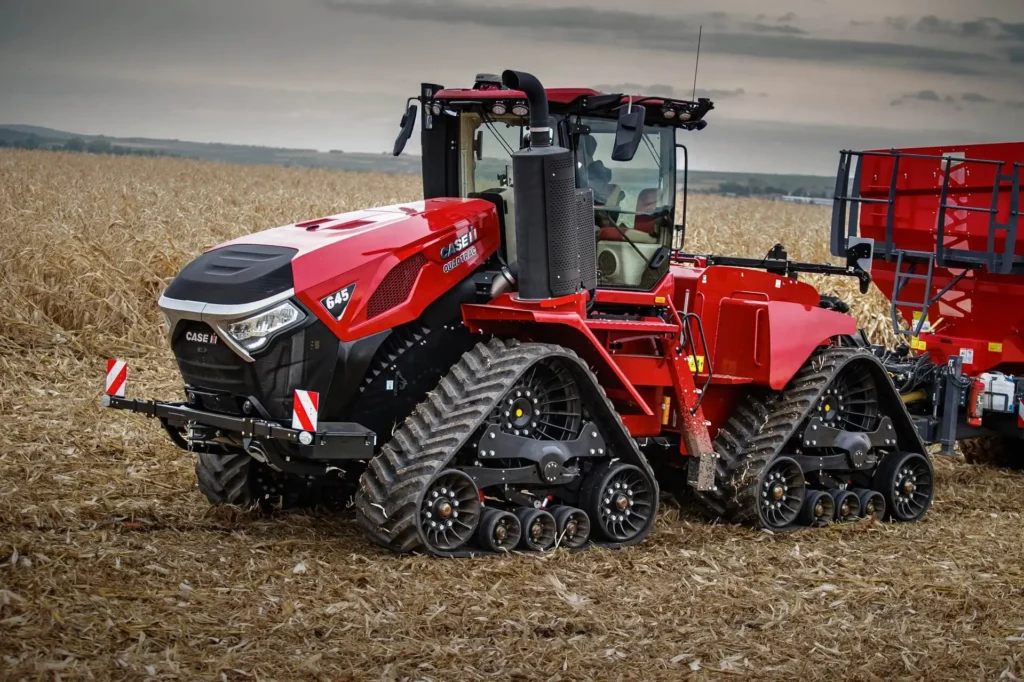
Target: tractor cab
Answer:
pixel 623 147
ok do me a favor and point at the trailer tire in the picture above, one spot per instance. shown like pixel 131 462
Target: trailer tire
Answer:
pixel 997 451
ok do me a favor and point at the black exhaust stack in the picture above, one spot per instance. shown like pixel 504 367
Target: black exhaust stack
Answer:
pixel 547 232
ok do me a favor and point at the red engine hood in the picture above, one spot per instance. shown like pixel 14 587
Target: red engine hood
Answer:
pixel 406 225
pixel 362 247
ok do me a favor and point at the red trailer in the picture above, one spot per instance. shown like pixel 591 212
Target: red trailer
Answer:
pixel 944 228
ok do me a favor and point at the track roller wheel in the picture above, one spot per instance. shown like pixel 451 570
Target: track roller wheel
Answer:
pixel 621 500
pixel 450 511
pixel 539 529
pixel 572 526
pixel 818 509
pixel 872 504
pixel 906 481
pixel 847 505
pixel 782 492
pixel 499 531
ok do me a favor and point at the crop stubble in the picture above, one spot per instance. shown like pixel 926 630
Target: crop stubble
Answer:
pixel 113 567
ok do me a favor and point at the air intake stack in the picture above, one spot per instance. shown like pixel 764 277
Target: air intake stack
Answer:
pixel 547 232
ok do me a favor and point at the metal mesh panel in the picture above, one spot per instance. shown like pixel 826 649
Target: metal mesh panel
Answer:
pixel 395 286
pixel 563 240
pixel 587 239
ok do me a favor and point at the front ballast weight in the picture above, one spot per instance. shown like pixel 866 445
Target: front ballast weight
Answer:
pixel 520 441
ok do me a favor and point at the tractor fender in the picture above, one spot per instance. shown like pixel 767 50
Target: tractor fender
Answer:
pixel 795 331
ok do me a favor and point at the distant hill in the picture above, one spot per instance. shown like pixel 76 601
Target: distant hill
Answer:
pixel 38 137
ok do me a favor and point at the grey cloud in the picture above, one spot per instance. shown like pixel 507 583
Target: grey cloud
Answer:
pixel 784 29
pixel 787 17
pixel 983 27
pixel 645 31
pixel 932 97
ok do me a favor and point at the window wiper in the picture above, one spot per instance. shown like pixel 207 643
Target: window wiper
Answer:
pixel 501 140
pixel 650 148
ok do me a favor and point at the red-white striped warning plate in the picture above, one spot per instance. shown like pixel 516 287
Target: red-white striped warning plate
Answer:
pixel 304 410
pixel 117 377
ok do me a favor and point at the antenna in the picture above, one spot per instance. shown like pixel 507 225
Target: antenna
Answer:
pixel 700 34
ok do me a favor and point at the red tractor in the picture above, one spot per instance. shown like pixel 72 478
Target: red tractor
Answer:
pixel 518 359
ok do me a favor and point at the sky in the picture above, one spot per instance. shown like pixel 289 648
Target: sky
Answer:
pixel 793 80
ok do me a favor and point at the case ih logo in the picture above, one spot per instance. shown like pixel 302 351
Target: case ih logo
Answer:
pixel 201 337
pixel 460 244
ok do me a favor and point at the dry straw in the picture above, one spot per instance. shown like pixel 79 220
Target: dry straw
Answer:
pixel 113 567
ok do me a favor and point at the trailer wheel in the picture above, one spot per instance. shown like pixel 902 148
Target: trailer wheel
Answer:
pixel 997 451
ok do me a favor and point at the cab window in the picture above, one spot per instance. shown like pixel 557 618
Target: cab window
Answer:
pixel 485 150
pixel 633 200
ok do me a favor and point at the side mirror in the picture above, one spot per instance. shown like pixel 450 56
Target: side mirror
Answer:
pixel 408 122
pixel 628 133
pixel 478 145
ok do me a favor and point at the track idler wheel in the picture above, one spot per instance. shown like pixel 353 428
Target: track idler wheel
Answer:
pixel 572 525
pixel 872 504
pixel 449 511
pixel 620 500
pixel 907 483
pixel 782 490
pixel 499 530
pixel 847 505
pixel 539 529
pixel 818 509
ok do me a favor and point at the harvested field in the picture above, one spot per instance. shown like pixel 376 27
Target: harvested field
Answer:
pixel 112 566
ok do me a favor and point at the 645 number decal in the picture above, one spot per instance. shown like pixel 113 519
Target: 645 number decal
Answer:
pixel 336 303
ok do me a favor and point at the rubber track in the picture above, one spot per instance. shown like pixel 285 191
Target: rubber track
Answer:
pixel 761 425
pixel 387 503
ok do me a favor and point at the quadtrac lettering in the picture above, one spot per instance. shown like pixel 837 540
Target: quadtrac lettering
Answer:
pixel 463 257
pixel 336 303
pixel 460 250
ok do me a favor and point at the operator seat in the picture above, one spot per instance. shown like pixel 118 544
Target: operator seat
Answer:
pixel 646 202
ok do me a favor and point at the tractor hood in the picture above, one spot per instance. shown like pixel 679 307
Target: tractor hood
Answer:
pixel 359 272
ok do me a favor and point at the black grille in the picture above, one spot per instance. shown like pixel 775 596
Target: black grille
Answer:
pixel 587 239
pixel 210 366
pixel 221 380
pixel 395 286
pixel 563 240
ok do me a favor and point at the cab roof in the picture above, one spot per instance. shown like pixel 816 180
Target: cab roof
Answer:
pixel 582 101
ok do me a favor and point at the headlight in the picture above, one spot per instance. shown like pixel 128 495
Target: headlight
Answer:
pixel 254 332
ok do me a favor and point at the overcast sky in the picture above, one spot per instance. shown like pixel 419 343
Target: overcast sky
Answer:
pixel 793 80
